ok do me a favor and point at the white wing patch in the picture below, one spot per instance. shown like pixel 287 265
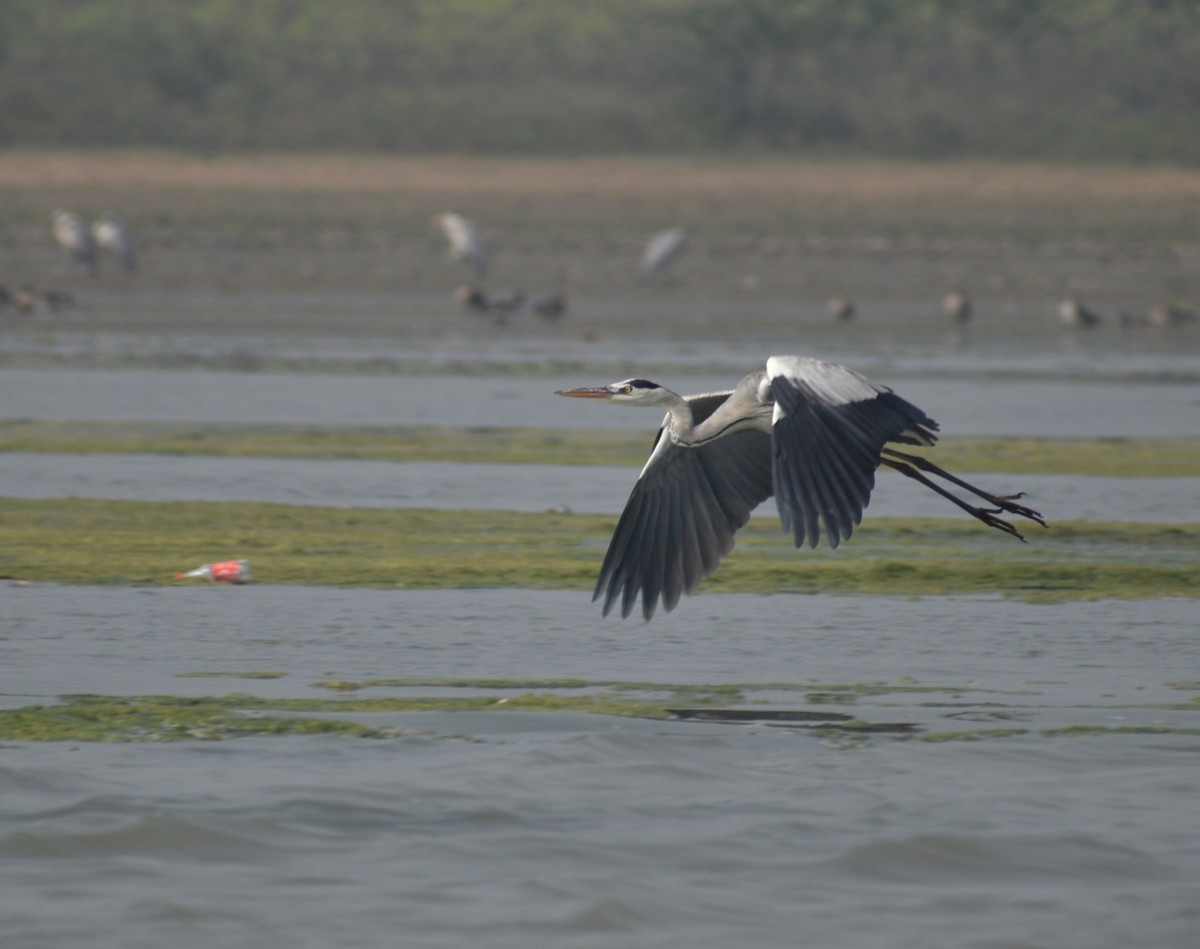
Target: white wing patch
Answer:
pixel 829 382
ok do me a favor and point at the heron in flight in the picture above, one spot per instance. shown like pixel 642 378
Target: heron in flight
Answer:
pixel 809 432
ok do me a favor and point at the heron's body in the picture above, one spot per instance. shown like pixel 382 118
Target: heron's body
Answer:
pixel 809 432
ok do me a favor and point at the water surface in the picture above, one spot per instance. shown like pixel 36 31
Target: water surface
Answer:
pixel 1039 406
pixel 508 829
pixel 598 489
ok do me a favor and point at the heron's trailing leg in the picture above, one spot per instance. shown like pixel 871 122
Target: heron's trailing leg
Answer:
pixel 988 516
pixel 1003 502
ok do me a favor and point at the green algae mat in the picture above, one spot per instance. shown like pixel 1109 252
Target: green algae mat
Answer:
pixel 88 541
pixel 899 710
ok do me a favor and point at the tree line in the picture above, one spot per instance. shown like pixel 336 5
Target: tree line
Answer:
pixel 1091 80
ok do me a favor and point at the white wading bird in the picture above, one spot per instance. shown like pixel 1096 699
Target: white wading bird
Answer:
pixel 809 432
pixel 663 248
pixel 73 236
pixel 111 234
pixel 465 244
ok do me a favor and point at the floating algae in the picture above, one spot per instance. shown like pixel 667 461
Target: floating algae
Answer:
pixel 160 718
pixel 249 674
pixel 142 718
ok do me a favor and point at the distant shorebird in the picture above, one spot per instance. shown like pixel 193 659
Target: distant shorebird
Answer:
pixel 500 309
pixel 957 306
pixel 552 307
pixel 506 307
pixel 1170 315
pixel 74 237
pixel 55 300
pixel 465 244
pixel 26 299
pixel 472 298
pixel 111 234
pixel 841 309
pixel 1073 313
pixel 663 248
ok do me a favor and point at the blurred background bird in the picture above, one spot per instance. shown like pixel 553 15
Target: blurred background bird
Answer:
pixel 1170 315
pixel 504 308
pixel 73 236
pixel 841 309
pixel 957 306
pixel 111 235
pixel 550 307
pixel 662 250
pixel 1073 313
pixel 465 244
pixel 472 298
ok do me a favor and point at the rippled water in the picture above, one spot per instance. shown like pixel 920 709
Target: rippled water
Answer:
pixel 512 829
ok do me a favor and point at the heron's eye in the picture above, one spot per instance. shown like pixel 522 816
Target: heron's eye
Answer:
pixel 627 389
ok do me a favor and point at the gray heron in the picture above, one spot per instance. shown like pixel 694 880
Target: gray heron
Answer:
pixel 111 234
pixel 73 236
pixel 465 244
pixel 809 432
pixel 663 248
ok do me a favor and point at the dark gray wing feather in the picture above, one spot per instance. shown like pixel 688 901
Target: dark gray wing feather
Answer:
pixel 825 453
pixel 680 519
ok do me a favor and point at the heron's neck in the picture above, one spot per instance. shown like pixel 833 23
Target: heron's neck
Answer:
pixel 680 424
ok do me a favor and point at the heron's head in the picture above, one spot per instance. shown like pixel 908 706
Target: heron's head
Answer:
pixel 629 392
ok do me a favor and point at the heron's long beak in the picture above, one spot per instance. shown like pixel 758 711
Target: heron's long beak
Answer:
pixel 588 392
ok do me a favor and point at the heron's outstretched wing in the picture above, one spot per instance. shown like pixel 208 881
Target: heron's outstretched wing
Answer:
pixel 828 428
pixel 681 517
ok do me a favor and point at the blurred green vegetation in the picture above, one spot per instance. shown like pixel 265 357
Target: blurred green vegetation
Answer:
pixel 1106 80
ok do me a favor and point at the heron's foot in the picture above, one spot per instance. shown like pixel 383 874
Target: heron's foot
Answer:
pixel 1006 502
pixel 988 516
